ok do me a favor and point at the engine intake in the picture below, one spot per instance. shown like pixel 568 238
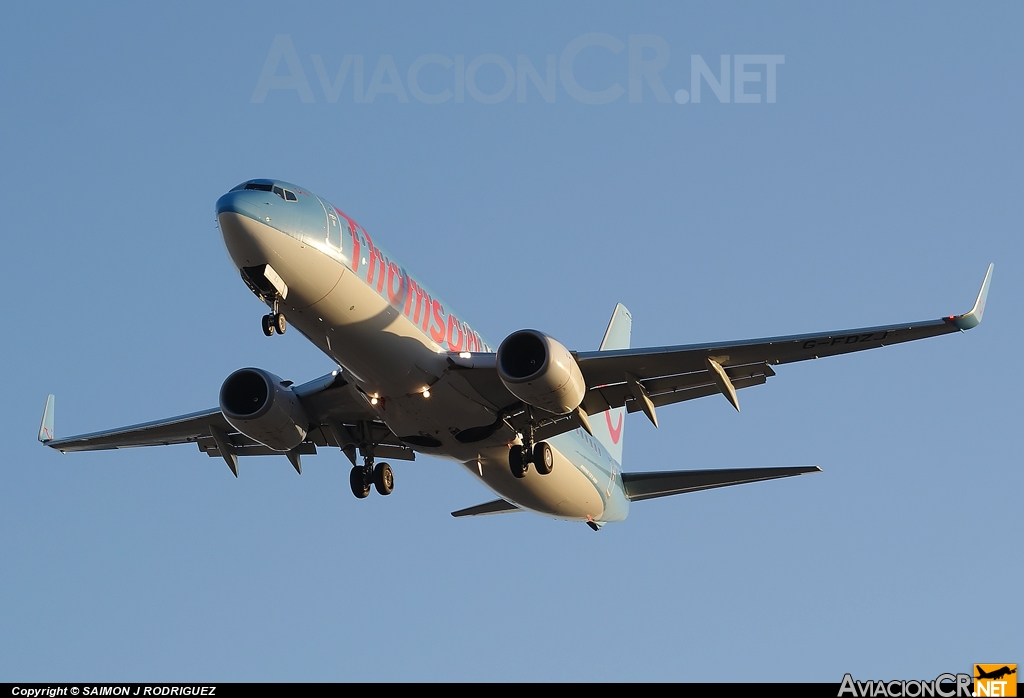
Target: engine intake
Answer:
pixel 256 403
pixel 541 372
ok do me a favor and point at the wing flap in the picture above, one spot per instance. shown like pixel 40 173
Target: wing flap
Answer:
pixel 667 390
pixel 255 449
pixel 641 486
pixel 692 393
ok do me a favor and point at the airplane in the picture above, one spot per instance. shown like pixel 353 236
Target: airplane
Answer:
pixel 996 674
pixel 539 425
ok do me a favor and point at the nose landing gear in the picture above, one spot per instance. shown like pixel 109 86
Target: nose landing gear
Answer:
pixel 274 321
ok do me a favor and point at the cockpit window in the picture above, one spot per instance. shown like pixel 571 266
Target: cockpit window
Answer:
pixel 259 186
pixel 285 194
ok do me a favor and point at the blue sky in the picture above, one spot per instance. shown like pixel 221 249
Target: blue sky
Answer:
pixel 875 189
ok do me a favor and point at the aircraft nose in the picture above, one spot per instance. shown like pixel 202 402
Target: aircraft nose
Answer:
pixel 239 201
pixel 240 224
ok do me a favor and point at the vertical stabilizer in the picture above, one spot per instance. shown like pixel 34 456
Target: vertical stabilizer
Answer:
pixel 609 426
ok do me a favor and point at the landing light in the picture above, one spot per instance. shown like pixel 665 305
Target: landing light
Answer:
pixel 426 392
pixel 374 400
pixel 465 355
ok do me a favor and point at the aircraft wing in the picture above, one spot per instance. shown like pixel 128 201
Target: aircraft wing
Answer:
pixel 644 379
pixel 185 428
pixel 330 402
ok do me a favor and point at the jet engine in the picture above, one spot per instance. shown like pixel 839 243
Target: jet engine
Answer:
pixel 258 404
pixel 540 372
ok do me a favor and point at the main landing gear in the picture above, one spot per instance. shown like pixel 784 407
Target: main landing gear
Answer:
pixel 540 454
pixel 380 476
pixel 520 457
pixel 274 321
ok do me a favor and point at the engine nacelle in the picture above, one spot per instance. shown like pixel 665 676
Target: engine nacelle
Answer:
pixel 256 403
pixel 541 372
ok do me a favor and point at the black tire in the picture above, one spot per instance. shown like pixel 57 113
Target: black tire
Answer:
pixel 543 458
pixel 280 324
pixel 383 479
pixel 268 325
pixel 359 487
pixel 516 462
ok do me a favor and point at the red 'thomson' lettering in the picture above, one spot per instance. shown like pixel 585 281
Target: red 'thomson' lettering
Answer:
pixel 402 291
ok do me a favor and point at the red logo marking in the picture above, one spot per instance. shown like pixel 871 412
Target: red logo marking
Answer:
pixel 616 431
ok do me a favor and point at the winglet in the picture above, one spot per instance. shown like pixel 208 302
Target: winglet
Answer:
pixel 46 426
pixel 973 318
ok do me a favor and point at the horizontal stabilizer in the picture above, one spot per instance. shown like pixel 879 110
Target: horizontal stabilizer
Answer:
pixel 650 485
pixel 498 506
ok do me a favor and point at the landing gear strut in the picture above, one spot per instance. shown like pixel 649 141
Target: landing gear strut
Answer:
pixel 540 454
pixel 274 321
pixel 380 476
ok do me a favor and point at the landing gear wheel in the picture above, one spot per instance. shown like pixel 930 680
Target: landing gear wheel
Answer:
pixel 268 325
pixel 383 479
pixel 517 462
pixel 543 458
pixel 360 487
pixel 279 323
